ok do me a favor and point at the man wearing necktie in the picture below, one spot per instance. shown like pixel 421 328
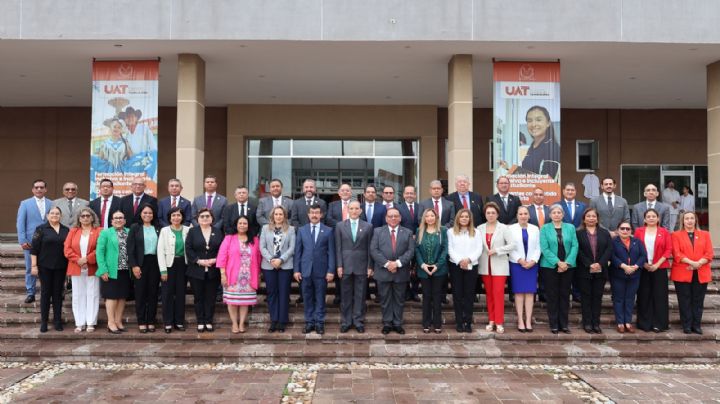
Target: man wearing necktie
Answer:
pixel 612 209
pixel 268 202
pixel 573 208
pixel 444 208
pixel 105 203
pixel 314 267
pixel 388 197
pixel 130 204
pixel 70 204
pixel 464 198
pixel 174 199
pixel 539 212
pixel 373 211
pixel 638 213
pixel 31 214
pixel 241 207
pixel 507 202
pixel 210 199
pixel 301 206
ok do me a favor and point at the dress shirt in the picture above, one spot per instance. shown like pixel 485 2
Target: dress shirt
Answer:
pixel 505 199
pixel 439 205
pixel 571 205
pixel 277 201
pixel 461 246
pixel 41 206
pixel 242 208
pixel 396 229
pixel 612 198
pixel 369 211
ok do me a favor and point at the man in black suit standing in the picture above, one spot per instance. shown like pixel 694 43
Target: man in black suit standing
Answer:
pixel 444 208
pixel 388 197
pixel 464 198
pixel 539 212
pixel 241 207
pixel 410 219
pixel 106 203
pixel 300 206
pixel 174 200
pixel 373 211
pixel 338 212
pixel 130 204
pixel 507 202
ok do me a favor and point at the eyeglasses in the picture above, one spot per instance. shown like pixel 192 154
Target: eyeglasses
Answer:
pixel 624 228
pixel 388 192
pixel 85 216
pixel 204 216
pixel 118 218
pixel 70 189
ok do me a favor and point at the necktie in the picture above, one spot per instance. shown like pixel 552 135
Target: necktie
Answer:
pixel 344 210
pixel 242 209
pixel 571 205
pixel 103 211
pixel 174 202
pixel 369 212
pixel 464 201
pixel 437 208
pixel 388 206
pixel 208 203
pixel 276 202
pixel 70 207
pixel 540 216
pixel 393 240
pixel 312 233
pixel 412 211
pixel 353 229
pixel 504 199
pixel 609 203
pixel 308 202
pixel 136 204
pixel 651 205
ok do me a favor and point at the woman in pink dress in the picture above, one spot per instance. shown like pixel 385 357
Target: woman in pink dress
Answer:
pixel 239 263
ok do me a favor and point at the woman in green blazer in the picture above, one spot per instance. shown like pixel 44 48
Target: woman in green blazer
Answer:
pixel 559 246
pixel 114 270
pixel 431 251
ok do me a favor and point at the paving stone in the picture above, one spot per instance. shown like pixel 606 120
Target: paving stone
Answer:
pixel 11 376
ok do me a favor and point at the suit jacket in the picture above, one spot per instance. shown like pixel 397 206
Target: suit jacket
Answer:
pixel 96 206
pixel 585 256
pixel 382 252
pixel 378 217
pixel 549 245
pixel 73 253
pixel 502 243
pixel 334 213
pixel 638 214
pixel 475 205
pixel 579 210
pixel 166 247
pixel 136 244
pixel 200 202
pixel 265 205
pixel 231 214
pixel 534 216
pixel 662 246
pixel 127 203
pixel 353 257
pixel 197 249
pixel 164 210
pixel 287 248
pixel 447 216
pixel 636 255
pixel 518 251
pixel 69 218
pixel 509 215
pixel 408 221
pixel 29 218
pixel 299 211
pixel 315 258
pixel 682 248
pixel 107 253
pixel 611 219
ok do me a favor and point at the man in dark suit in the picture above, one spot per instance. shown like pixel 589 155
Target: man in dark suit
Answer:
pixel 315 267
pixel 373 211
pixel 443 207
pixel 241 207
pixel 638 213
pixel 174 199
pixel 209 199
pixel 507 202
pixel 410 219
pixel 300 207
pixel 267 203
pixel 573 208
pixel 612 209
pixel 106 203
pixel 539 212
pixel 354 266
pixel 337 211
pixel 130 204
pixel 463 198
pixel 388 197
pixel 392 250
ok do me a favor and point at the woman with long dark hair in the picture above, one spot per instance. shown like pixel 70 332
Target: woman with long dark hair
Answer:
pixel 142 255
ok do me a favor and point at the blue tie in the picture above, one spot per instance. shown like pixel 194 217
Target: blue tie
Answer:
pixel 370 212
pixel 312 233
pixel 353 228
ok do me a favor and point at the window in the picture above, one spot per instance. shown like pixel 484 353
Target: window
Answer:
pixel 587 155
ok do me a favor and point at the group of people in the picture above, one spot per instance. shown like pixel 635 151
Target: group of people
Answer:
pixel 113 246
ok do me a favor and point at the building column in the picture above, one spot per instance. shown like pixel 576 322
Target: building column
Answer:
pixel 460 119
pixel 190 131
pixel 713 149
pixel 236 154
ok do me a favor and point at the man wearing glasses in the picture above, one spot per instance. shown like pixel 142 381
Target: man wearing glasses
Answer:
pixel 69 204
pixel 130 204
pixel 388 197
pixel 31 214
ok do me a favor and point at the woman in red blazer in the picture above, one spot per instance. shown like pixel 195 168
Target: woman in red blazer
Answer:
pixel 80 251
pixel 692 254
pixel 652 297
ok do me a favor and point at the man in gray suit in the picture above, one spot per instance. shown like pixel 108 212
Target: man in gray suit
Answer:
pixel 210 199
pixel 70 204
pixel 443 207
pixel 392 250
pixel 354 266
pixel 612 209
pixel 275 198
pixel 638 213
pixel 300 206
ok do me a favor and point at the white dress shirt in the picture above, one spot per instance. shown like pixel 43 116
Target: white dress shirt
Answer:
pixel 461 246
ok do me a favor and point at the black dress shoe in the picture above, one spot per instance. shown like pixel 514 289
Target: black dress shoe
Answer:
pixel 59 327
pixel 399 329
pixel 697 330
pixel 273 327
pixel 201 328
pixel 565 330
pixel 179 327
pixel 596 329
pixel 468 327
pixel 209 328
pixel 588 329
pixel 336 300
pixel 386 330
pixel 554 331
pixel 281 327
pixel 655 330
pixel 30 299
pixel 460 328
pixel 344 329
pixel 522 330
pixel 43 327
pixel 687 331
pixel 360 329
pixel 320 329
pixel 308 328
pixel 415 298
pixel 168 330
pixel 111 331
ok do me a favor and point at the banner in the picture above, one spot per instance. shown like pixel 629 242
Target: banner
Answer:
pixel 526 127
pixel 123 143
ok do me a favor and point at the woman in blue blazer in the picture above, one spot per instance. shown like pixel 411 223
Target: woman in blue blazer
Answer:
pixel 431 256
pixel 629 257
pixel 559 246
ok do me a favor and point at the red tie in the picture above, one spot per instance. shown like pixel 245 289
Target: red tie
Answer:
pixel 174 202
pixel 344 211
pixel 393 240
pixel 102 212
pixel 464 198
pixel 412 211
pixel 437 208
pixel 135 205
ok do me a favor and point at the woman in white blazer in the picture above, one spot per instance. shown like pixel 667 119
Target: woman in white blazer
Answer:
pixel 524 260
pixel 464 251
pixel 494 265
pixel 173 264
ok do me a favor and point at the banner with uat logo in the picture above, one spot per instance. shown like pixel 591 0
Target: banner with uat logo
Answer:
pixel 526 127
pixel 124 142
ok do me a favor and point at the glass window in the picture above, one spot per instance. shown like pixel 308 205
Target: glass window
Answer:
pixel 634 179
pixel 399 148
pixel 587 155
pixel 269 147
pixel 317 148
pixel 262 169
pixel 357 148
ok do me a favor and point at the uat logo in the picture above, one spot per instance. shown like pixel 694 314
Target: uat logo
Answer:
pixel 526 73
pixel 116 88
pixel 517 90
pixel 126 70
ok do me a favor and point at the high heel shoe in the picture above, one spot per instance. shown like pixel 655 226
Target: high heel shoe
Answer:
pixel 111 331
pixel 209 328
pixel 168 329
